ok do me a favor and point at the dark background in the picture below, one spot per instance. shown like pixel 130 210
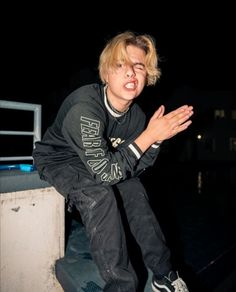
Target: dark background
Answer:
pixel 47 51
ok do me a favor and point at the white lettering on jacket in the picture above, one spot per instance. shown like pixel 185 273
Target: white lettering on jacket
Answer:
pixel 91 140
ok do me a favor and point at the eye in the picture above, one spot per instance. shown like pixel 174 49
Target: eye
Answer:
pixel 119 65
pixel 139 67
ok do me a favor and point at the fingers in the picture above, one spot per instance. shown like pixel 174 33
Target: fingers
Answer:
pixel 162 127
pixel 162 110
pixel 181 128
pixel 185 109
pixel 159 112
pixel 181 118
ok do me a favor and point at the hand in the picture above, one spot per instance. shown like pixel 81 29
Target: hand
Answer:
pixel 162 127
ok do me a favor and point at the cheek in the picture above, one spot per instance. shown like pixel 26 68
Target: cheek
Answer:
pixel 110 77
pixel 143 81
pixel 142 76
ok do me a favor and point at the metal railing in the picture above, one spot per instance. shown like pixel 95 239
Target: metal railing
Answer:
pixel 36 133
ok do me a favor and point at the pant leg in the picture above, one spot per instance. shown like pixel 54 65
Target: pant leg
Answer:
pixel 101 217
pixel 145 227
pixel 99 212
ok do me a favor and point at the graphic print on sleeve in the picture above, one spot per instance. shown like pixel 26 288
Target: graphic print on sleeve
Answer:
pixel 91 143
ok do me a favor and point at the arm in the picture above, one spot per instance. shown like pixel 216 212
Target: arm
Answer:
pixel 147 159
pixel 84 128
pixel 162 127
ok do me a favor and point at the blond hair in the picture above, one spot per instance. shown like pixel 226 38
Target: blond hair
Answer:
pixel 115 51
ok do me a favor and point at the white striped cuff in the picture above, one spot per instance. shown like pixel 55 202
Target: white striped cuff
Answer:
pixel 135 151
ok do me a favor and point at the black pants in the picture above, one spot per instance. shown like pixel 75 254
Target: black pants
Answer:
pixel 100 212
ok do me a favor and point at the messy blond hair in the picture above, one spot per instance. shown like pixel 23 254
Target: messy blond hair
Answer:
pixel 115 51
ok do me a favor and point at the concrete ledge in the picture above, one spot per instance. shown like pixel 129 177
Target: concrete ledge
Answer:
pixel 16 180
pixel 31 239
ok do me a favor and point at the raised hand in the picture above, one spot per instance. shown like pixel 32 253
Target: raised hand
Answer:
pixel 162 127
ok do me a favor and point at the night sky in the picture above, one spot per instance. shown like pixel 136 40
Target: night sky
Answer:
pixel 48 51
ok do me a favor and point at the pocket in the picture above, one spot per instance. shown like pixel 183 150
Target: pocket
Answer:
pixel 95 195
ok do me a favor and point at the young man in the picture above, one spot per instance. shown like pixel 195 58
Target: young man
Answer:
pixel 98 145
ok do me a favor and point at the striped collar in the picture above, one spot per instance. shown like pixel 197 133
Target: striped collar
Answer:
pixel 109 107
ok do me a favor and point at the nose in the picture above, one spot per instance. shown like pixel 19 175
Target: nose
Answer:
pixel 130 71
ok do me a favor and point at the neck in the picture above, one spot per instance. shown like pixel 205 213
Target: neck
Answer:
pixel 117 107
pixel 120 111
pixel 113 110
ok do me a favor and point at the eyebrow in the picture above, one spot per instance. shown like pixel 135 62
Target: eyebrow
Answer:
pixel 139 63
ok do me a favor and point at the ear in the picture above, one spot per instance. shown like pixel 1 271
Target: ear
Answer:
pixel 106 78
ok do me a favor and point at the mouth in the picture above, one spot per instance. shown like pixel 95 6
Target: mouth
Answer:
pixel 131 85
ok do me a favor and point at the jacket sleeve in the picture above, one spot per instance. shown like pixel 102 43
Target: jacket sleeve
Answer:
pixel 147 159
pixel 84 128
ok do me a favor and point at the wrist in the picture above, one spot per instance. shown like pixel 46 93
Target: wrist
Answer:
pixel 144 141
pixel 158 142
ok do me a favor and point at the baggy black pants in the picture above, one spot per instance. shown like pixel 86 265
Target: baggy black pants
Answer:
pixel 101 216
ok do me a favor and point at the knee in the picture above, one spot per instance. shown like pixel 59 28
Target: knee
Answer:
pixel 132 188
pixel 94 203
pixel 91 197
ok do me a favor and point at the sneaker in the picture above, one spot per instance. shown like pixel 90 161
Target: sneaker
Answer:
pixel 172 283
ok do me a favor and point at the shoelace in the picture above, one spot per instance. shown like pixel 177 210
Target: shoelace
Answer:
pixel 179 285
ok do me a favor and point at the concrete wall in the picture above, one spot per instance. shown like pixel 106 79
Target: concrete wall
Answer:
pixel 31 240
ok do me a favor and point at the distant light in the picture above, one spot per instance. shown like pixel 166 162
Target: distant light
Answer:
pixel 199 182
pixel 199 136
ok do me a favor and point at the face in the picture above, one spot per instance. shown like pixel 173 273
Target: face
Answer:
pixel 127 81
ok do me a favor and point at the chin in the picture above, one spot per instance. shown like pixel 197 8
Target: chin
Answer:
pixel 130 98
